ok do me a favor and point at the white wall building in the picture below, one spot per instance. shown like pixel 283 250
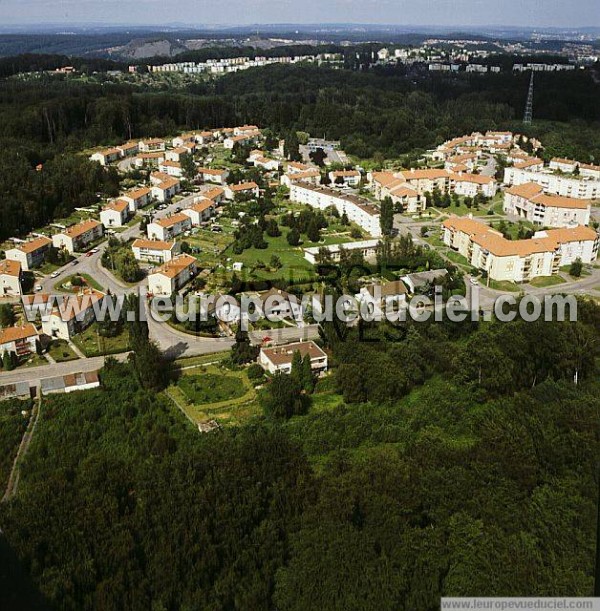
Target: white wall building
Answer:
pixel 172 275
pixel 168 228
pixel 30 254
pixel 529 202
pixel 154 251
pixel 357 209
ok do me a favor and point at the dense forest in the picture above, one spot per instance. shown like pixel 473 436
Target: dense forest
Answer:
pixel 382 114
pixel 462 461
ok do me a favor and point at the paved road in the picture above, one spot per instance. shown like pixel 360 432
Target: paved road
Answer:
pixel 34 374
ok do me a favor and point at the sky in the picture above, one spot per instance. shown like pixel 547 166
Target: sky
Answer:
pixel 536 13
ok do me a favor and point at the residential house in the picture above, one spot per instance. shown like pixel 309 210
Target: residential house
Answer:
pixel 106 156
pixel 77 237
pixel 30 254
pixel 152 146
pixel 217 195
pixel 419 281
pixel 279 358
pixel 20 340
pixel 172 275
pixel 176 154
pixel 154 251
pixel 169 227
pixel 129 149
pixel 383 295
pixel 244 188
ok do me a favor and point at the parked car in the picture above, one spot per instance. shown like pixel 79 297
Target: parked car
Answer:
pixel 38 287
pixel 54 274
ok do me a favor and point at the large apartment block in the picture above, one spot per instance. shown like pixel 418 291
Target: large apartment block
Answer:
pixel 583 187
pixel 519 260
pixel 529 202
pixel 357 209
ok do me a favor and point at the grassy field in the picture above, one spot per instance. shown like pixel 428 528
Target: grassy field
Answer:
pixel 294 265
pixel 64 284
pixel 91 344
pixel 202 360
pixel 61 352
pixel 213 392
pixel 504 285
pixel 545 281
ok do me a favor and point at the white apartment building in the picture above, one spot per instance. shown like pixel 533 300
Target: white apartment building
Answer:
pixel 312 177
pixel 172 275
pixel 348 178
pixel 72 315
pixel 558 184
pixel 171 168
pixel 10 278
pixel 168 228
pixel 137 198
pixel 115 214
pixel 154 251
pixel 529 202
pixel 30 254
pixel 357 209
pixel 469 185
pixel 200 212
pixel 519 260
pixel 366 248
pixel 213 175
pixel 77 237
pixel 152 146
pixel 164 187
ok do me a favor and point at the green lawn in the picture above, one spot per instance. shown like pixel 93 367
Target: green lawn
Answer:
pixel 545 281
pixel 210 388
pixel 456 257
pixel 294 265
pixel 202 360
pixel 91 344
pixel 462 210
pixel 213 392
pixel 61 352
pixel 504 285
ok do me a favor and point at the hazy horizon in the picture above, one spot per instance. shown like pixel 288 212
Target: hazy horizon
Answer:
pixel 232 13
